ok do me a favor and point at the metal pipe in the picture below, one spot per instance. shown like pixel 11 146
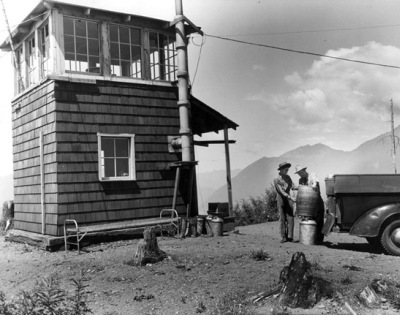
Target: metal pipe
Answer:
pixel 183 84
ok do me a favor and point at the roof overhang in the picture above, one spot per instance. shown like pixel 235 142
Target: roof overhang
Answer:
pixel 206 119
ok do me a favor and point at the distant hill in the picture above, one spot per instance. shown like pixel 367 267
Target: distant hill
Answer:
pixel 6 188
pixel 209 182
pixel 371 157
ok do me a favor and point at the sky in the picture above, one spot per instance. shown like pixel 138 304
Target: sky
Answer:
pixel 280 99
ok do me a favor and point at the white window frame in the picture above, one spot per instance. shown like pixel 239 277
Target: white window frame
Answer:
pixel 132 158
pixel 138 74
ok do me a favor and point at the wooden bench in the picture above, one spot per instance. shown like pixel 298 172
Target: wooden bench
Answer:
pixel 73 233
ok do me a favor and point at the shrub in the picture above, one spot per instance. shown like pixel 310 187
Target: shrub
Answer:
pixel 47 298
pixel 257 209
pixel 233 303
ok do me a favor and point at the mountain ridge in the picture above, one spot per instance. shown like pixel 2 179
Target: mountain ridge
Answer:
pixel 371 157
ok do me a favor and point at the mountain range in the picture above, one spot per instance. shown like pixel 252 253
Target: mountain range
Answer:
pixel 372 157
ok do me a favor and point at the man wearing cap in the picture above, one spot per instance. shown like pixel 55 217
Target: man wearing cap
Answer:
pixel 283 184
pixel 310 179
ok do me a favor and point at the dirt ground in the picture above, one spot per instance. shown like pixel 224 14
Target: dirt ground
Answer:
pixel 200 270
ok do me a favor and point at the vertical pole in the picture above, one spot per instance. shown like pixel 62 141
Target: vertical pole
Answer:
pixel 16 63
pixel 183 75
pixel 42 182
pixel 228 171
pixel 393 138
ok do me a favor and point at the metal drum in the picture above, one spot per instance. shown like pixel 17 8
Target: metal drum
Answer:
pixel 307 202
pixel 308 232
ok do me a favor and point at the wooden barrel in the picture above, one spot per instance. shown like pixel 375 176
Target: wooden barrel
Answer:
pixel 307 202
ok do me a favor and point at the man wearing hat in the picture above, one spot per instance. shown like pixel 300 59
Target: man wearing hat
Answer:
pixel 310 179
pixel 283 184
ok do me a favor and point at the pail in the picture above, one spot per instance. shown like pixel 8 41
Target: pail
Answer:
pixel 307 201
pixel 308 232
pixel 208 225
pixel 217 226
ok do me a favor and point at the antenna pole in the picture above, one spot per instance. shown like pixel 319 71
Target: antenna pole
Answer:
pixel 16 63
pixel 393 137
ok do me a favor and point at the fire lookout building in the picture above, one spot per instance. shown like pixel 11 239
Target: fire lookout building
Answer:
pixel 94 112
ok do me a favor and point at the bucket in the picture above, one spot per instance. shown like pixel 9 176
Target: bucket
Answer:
pixel 217 226
pixel 307 202
pixel 308 232
pixel 208 225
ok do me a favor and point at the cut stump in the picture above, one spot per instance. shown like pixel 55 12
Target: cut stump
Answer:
pixel 148 251
pixel 300 288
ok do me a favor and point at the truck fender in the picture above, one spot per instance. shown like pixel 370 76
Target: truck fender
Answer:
pixel 369 224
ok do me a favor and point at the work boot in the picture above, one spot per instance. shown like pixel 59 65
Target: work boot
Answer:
pixel 284 240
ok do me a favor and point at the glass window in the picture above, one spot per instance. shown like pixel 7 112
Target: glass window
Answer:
pixel 32 61
pixel 44 50
pixel 117 160
pixel 81 45
pixel 163 64
pixel 126 51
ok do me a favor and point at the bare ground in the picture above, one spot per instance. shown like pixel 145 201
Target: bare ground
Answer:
pixel 201 270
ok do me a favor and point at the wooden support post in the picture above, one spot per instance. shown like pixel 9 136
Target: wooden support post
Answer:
pixel 42 200
pixel 228 171
pixel 176 187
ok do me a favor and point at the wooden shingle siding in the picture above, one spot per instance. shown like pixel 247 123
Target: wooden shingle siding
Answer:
pixel 83 110
pixel 70 115
pixel 33 113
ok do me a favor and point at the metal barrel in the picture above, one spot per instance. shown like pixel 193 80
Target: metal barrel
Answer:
pixel 307 202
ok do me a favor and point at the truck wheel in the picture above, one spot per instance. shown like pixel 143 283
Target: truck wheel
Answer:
pixel 391 238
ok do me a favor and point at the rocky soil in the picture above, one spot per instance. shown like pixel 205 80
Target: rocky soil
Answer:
pixel 202 273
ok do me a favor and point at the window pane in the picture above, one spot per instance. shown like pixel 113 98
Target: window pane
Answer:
pixel 94 65
pixel 122 167
pixel 136 53
pixel 124 35
pixel 69 44
pixel 80 28
pixel 92 30
pixel 93 47
pixel 125 53
pixel 122 147
pixel 107 146
pixel 153 40
pixel 114 51
pixel 125 67
pixel 135 37
pixel 81 46
pixel 109 170
pixel 114 33
pixel 68 26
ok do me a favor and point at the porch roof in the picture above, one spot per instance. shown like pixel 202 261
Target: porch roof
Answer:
pixel 206 119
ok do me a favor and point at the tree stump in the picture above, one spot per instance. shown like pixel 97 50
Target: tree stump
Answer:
pixel 7 215
pixel 148 251
pixel 300 288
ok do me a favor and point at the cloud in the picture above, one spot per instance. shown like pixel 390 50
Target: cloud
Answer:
pixel 337 95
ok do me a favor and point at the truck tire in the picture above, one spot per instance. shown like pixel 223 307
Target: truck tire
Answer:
pixel 391 238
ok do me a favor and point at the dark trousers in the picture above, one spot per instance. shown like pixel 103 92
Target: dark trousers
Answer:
pixel 286 219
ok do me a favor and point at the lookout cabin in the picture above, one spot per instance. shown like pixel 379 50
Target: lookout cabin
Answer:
pixel 94 119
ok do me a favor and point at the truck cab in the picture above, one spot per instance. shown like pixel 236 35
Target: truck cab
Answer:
pixel 366 205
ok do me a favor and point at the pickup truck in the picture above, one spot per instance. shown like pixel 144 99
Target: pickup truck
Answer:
pixel 366 206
